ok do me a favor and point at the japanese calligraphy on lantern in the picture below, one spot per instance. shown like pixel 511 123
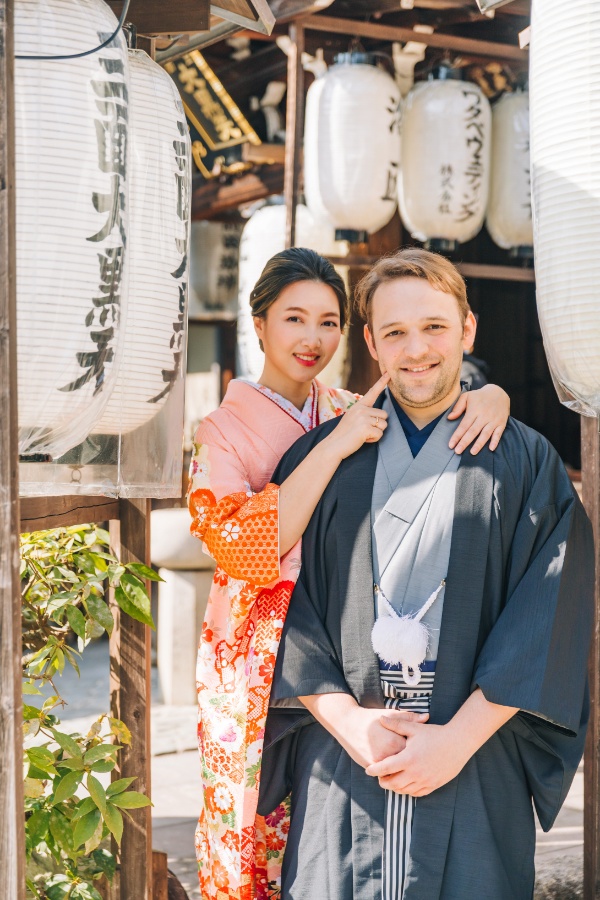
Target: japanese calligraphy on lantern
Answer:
pixel 446 147
pixel 111 100
pixel 181 173
pixel 218 122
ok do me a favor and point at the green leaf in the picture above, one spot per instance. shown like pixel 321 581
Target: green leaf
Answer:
pixel 58 887
pixel 37 825
pixel 99 611
pixel 120 730
pixel 100 751
pixel 85 828
pixel 67 786
pixel 83 808
pixel 67 743
pixel 73 762
pixel 41 758
pixel 118 786
pixel 33 787
pixel 138 607
pixel 60 829
pixel 114 821
pixel 30 712
pixel 104 765
pixel 84 891
pixel 143 571
pixel 76 620
pixel 130 800
pixel 97 792
pixel 30 688
pixel 106 862
pixel 115 572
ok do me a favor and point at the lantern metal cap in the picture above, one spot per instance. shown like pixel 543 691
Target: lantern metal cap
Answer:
pixel 355 58
pixel 441 245
pixel 445 71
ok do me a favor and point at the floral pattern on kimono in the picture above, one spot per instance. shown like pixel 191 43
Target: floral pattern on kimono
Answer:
pixel 235 513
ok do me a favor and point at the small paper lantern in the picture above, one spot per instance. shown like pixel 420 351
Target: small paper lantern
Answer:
pixel 509 219
pixel 214 264
pixel 264 236
pixel 154 348
pixel 352 146
pixel 565 170
pixel 446 146
pixel 71 134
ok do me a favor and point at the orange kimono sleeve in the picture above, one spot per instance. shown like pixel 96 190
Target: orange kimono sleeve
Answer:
pixel 239 528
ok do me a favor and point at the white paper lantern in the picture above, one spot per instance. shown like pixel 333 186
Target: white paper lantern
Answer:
pixel 159 238
pixel 446 146
pixel 509 219
pixel 214 264
pixel 264 236
pixel 352 146
pixel 565 169
pixel 71 170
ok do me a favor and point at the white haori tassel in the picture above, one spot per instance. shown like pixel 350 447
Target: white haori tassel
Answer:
pixel 403 639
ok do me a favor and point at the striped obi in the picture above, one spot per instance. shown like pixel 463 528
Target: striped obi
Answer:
pixel 399 808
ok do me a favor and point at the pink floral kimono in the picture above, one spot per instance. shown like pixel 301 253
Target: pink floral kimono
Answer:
pixel 235 514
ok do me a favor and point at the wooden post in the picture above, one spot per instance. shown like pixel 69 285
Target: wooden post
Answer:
pixel 12 833
pixel 130 698
pixel 590 476
pixel 294 129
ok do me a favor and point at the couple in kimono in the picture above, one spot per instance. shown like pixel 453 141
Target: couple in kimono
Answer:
pixel 487 554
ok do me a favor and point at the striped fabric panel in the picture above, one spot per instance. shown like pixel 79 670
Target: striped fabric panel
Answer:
pixel 399 808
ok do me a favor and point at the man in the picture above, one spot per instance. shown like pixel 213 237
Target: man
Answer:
pixel 487 696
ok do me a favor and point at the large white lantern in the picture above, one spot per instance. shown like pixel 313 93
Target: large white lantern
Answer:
pixel 154 349
pixel 446 147
pixel 352 146
pixel 509 219
pixel 214 263
pixel 264 236
pixel 71 172
pixel 565 169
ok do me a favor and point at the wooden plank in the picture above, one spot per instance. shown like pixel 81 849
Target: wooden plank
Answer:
pixel 264 154
pixel 130 699
pixel 253 14
pixel 294 130
pixel 160 888
pixel 463 45
pixel 158 17
pixel 12 832
pixel 590 477
pixel 469 270
pixel 211 198
pixel 38 513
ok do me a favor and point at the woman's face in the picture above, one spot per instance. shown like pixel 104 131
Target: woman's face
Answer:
pixel 301 331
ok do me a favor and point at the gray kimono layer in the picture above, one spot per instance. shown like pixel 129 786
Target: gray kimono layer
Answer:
pixel 516 622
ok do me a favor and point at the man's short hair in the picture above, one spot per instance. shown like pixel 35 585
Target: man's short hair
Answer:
pixel 412 262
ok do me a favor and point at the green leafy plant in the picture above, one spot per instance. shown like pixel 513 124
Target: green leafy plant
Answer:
pixel 65 574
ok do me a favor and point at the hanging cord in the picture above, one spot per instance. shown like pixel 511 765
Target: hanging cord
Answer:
pixel 108 41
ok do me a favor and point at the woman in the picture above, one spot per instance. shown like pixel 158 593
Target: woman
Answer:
pixel 252 529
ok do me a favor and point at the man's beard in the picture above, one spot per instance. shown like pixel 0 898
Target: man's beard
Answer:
pixel 447 377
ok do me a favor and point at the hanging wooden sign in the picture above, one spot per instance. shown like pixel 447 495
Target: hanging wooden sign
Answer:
pixel 218 126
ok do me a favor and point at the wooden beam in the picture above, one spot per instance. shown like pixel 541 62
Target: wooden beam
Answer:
pixel 211 198
pixel 294 130
pixel 463 45
pixel 468 270
pixel 264 154
pixel 12 816
pixel 158 17
pixel 130 699
pixel 253 14
pixel 38 513
pixel 590 478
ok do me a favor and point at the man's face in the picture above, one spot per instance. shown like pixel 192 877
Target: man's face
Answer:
pixel 418 338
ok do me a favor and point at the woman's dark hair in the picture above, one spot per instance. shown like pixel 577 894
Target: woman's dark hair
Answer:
pixel 289 267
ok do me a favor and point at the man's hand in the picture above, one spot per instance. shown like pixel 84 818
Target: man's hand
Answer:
pixel 360 731
pixel 435 754
pixel 432 757
pixel 366 739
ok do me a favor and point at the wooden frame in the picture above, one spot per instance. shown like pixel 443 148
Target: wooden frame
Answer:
pixel 12 820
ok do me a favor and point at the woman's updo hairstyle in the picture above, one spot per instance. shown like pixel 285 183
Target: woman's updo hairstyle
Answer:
pixel 289 267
